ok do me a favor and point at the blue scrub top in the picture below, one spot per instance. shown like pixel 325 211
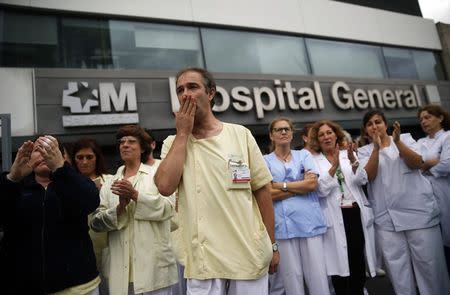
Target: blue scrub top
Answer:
pixel 300 215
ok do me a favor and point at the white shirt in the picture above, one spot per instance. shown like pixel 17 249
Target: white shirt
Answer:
pixel 439 148
pixel 401 197
pixel 335 242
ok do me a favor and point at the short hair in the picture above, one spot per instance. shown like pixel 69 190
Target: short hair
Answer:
pixel 305 132
pixel 208 80
pixel 367 116
pixel 437 111
pixel 142 136
pixel 150 134
pixel 272 124
pixel 314 134
pixel 85 143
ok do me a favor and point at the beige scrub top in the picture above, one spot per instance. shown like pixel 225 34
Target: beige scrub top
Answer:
pixel 220 223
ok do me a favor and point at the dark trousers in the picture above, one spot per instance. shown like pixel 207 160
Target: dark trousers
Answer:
pixel 447 258
pixel 354 284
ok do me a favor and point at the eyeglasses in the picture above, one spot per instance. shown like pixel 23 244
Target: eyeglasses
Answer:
pixel 82 157
pixel 281 129
pixel 127 140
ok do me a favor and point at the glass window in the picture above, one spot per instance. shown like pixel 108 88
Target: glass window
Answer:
pixel 428 65
pixel 28 40
pixel 400 63
pixel 245 52
pixel 86 43
pixel 332 58
pixel 137 45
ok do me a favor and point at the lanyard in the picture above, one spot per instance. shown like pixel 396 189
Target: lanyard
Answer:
pixel 341 178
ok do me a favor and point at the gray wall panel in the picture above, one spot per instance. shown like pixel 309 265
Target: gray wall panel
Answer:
pixel 155 110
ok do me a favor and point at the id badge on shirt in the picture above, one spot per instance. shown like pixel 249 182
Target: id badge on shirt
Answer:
pixel 239 172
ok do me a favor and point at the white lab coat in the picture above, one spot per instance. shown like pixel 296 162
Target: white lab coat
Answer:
pixel 406 219
pixel 401 197
pixel 439 148
pixel 335 243
pixel 141 234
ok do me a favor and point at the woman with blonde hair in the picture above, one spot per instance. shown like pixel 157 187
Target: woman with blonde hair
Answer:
pixel 299 222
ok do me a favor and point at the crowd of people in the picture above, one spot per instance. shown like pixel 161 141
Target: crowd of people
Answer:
pixel 216 216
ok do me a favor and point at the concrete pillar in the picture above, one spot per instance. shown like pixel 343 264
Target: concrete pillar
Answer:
pixel 444 35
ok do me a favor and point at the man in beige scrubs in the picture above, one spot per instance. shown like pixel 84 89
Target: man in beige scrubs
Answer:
pixel 225 209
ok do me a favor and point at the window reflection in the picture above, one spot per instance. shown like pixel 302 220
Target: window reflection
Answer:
pixel 428 65
pixel 86 43
pixel 333 58
pixel 39 40
pixel 28 40
pixel 400 63
pixel 152 46
pixel 246 52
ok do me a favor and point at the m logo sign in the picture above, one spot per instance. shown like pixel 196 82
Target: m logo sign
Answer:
pixel 84 102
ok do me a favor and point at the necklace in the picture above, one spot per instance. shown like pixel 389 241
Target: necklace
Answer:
pixel 285 158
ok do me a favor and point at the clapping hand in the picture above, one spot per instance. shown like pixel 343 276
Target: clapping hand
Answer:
pixel 350 152
pixel 376 140
pixel 396 132
pixel 126 192
pixel 124 189
pixel 335 159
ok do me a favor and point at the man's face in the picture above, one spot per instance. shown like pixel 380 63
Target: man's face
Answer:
pixel 37 162
pixel 191 84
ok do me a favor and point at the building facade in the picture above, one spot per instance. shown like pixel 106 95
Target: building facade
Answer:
pixel 82 68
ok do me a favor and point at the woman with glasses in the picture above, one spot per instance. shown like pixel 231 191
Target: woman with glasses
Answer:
pixel 137 219
pixel 348 242
pixel 435 150
pixel 406 212
pixel 87 158
pixel 299 223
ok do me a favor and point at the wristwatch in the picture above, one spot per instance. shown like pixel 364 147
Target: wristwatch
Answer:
pixel 284 188
pixel 275 247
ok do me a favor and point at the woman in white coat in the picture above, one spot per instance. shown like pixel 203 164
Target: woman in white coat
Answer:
pixel 137 219
pixel 406 212
pixel 348 242
pixel 435 150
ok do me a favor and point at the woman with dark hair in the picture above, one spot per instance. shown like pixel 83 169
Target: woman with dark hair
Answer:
pixel 406 212
pixel 67 151
pixel 435 149
pixel 44 207
pixel 137 219
pixel 348 242
pixel 87 159
pixel 299 222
